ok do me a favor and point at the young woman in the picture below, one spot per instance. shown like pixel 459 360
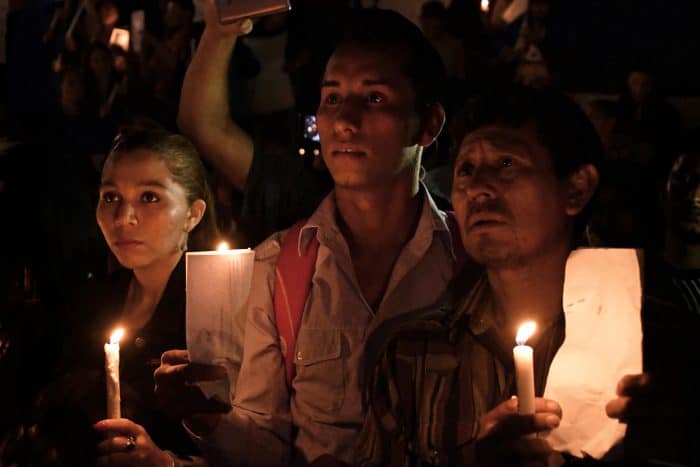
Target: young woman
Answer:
pixel 154 200
pixel 154 204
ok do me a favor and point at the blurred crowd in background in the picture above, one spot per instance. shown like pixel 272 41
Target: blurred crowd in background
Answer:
pixel 69 83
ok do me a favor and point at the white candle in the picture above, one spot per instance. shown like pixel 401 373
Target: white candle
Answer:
pixel 112 374
pixel 524 369
pixel 485 6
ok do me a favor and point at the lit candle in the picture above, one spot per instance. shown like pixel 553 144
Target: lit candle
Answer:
pixel 112 374
pixel 485 6
pixel 524 370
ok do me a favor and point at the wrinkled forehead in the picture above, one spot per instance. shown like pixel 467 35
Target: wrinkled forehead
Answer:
pixel 499 138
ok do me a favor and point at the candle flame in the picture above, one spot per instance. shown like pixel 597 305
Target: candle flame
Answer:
pixel 223 246
pixel 116 336
pixel 525 331
pixel 484 5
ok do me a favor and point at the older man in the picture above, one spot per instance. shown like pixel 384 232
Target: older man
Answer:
pixel 439 395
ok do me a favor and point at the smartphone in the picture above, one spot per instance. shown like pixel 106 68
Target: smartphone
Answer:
pixel 232 10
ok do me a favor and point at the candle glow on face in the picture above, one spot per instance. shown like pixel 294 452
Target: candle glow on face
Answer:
pixel 525 331
pixel 223 246
pixel 116 336
pixel 484 5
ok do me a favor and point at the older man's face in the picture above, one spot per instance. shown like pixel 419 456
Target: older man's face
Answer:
pixel 509 202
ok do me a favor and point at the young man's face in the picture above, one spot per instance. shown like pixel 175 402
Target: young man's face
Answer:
pixel 367 119
pixel 509 202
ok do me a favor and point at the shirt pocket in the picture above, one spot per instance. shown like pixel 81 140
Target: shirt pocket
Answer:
pixel 320 380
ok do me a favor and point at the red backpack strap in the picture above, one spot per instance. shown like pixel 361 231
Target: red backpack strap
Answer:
pixel 457 245
pixel 293 275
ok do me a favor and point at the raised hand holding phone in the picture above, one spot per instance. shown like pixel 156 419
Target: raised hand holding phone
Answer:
pixel 234 10
pixel 239 27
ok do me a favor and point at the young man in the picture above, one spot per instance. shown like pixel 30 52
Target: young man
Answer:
pixel 439 395
pixel 383 247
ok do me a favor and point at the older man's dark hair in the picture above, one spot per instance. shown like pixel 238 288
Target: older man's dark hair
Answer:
pixel 560 124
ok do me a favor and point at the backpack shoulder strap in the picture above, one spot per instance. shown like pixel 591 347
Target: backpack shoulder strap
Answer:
pixel 293 275
pixel 457 245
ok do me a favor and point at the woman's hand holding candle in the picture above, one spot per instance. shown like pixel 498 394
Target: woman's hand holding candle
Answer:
pixel 127 443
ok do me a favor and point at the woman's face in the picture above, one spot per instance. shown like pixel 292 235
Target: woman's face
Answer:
pixel 142 212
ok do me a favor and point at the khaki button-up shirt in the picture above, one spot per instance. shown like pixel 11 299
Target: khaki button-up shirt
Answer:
pixel 323 414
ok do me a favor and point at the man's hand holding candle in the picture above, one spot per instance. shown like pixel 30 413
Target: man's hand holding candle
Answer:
pixel 505 436
pixel 176 392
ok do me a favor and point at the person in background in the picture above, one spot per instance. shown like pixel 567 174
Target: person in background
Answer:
pixel 682 208
pixel 660 406
pixel 642 101
pixel 165 58
pixel 271 99
pixel 278 189
pixel 434 22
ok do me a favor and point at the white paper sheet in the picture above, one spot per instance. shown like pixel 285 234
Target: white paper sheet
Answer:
pixel 218 284
pixel 602 305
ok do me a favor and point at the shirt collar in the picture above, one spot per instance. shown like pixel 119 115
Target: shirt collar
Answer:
pixel 324 220
pixel 473 309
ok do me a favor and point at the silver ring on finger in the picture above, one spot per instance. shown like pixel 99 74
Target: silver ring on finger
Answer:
pixel 130 442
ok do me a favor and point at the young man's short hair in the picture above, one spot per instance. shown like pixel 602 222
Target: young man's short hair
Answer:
pixel 375 28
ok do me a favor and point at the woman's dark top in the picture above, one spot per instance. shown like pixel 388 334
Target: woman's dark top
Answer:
pixel 77 397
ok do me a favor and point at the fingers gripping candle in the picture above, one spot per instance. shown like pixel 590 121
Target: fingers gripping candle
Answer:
pixel 524 370
pixel 112 374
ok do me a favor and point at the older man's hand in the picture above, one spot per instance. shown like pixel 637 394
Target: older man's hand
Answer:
pixel 508 438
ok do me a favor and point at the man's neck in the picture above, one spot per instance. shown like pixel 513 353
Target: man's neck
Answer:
pixel 376 224
pixel 679 254
pixel 529 292
pixel 379 218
